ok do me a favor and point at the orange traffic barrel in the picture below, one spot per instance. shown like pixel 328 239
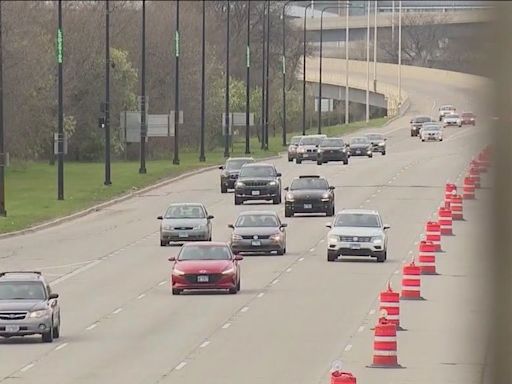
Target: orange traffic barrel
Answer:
pixel 390 302
pixel 474 175
pixel 456 207
pixel 433 234
pixel 411 282
pixel 385 345
pixel 449 189
pixel 445 220
pixel 339 377
pixel 427 258
pixel 469 188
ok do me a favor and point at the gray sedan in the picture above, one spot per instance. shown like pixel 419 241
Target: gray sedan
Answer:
pixel 185 222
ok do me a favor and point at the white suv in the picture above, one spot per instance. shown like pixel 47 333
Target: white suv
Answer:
pixel 357 232
pixel 446 110
pixel 431 132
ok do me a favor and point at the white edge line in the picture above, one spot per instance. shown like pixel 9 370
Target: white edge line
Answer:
pixel 26 368
pixel 301 259
pixel 118 310
pixel 91 327
pixel 204 344
pixel 261 294
pixel 180 366
pixel 372 312
pixel 348 347
pixel 275 281
pixel 162 283
pixel 61 346
pixel 360 329
pixel 226 326
pixel 289 270
pixel 74 273
pixel 244 309
pixel 141 296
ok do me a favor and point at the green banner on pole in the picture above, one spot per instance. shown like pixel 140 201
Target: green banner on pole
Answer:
pixel 177 43
pixel 59 46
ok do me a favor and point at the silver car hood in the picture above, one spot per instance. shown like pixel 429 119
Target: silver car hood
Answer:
pixel 357 231
pixel 21 305
pixel 184 222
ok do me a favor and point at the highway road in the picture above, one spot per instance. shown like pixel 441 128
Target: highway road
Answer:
pixel 295 313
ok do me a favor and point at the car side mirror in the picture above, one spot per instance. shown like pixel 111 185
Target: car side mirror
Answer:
pixel 238 257
pixel 385 139
pixel 328 225
pixel 278 174
pixel 283 225
pixel 172 258
pixel 347 145
pixel 332 188
pixel 221 167
pixel 286 189
pixel 209 217
pixel 231 226
pixel 53 296
pixel 386 226
pixel 160 218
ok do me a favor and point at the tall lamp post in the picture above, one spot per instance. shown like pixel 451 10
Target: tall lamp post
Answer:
pixel 368 9
pixel 107 94
pixel 375 49
pixel 3 211
pixel 304 73
pixel 267 65
pixel 226 117
pixel 176 160
pixel 202 158
pixel 60 135
pixel 399 54
pixel 347 12
pixel 143 126
pixel 247 80
pixel 284 72
pixel 263 58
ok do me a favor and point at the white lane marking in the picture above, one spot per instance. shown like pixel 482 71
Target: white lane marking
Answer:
pixel 360 329
pixel 180 366
pixel 26 368
pixel 322 241
pixel 162 283
pixel 301 259
pixel 367 201
pixel 226 326
pixel 434 105
pixel 141 296
pixel 397 272
pixel 275 281
pixel 372 312
pixel 61 346
pixel 244 309
pixel 390 181
pixel 348 347
pixel 75 272
pixel 91 327
pixel 260 295
pixel 312 250
pixel 204 344
pixel 118 310
pixel 404 261
pixel 416 242
pixel 410 252
pixel 379 190
pixel 374 195
pixel 361 206
pixel 289 270
pixel 66 265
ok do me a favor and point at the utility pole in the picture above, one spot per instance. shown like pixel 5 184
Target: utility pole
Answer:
pixel 247 80
pixel 3 211
pixel 368 8
pixel 347 12
pixel 176 160
pixel 60 134
pixel 284 73
pixel 263 54
pixel 267 65
pixel 203 100
pixel 375 49
pixel 143 126
pixel 399 55
pixel 393 23
pixel 226 117
pixel 107 94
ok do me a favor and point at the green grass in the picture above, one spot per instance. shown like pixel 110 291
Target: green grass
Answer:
pixel 31 187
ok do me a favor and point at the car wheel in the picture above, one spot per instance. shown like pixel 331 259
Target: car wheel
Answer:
pixel 238 201
pixel 56 331
pixel 331 257
pixel 370 156
pixel 288 212
pixel 422 139
pixel 223 188
pixel 383 153
pixel 381 258
pixel 345 162
pixel 163 243
pixel 298 161
pixel 276 200
pixel 281 251
pixel 318 162
pixel 47 337
pixel 330 211
pixel 233 291
pixel 290 159
pixel 238 285
pixel 176 291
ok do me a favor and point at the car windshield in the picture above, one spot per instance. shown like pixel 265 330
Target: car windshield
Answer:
pixel 448 108
pixel 332 143
pixel 311 140
pixel 295 140
pixel 22 290
pixel 257 172
pixel 359 140
pixel 309 183
pixel 375 136
pixel 185 212
pixel 422 119
pixel 212 252
pixel 452 116
pixel 236 164
pixel 431 128
pixel 468 114
pixel 257 221
pixel 357 220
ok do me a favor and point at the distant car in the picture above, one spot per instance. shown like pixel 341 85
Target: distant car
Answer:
pixel 432 132
pixel 258 182
pixel 378 142
pixel 307 148
pixel 452 119
pixel 230 172
pixel 258 232
pixel 468 118
pixel 360 146
pixel 309 194
pixel 417 122
pixel 446 110
pixel 357 232
pixel 292 148
pixel 205 266
pixel 185 222
pixel 332 149
pixel 28 306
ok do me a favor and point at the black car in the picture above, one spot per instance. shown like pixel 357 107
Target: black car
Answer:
pixel 258 182
pixel 332 149
pixel 417 123
pixel 360 146
pixel 378 142
pixel 230 172
pixel 309 194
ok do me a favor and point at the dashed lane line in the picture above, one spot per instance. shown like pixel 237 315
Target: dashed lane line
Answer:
pixel 26 368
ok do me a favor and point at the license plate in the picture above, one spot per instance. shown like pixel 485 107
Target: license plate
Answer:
pixel 182 235
pixel 355 246
pixel 12 328
pixel 255 193
pixel 202 279
pixel 256 243
pixel 308 206
pixel 358 152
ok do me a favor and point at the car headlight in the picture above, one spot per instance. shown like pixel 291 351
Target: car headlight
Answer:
pixel 167 227
pixel 326 196
pixel 235 237
pixel 292 148
pixel 290 197
pixel 276 236
pixel 39 313
pixel 177 272
pixel 377 240
pixel 239 184
pixel 272 183
pixel 320 150
pixel 300 150
pixel 382 144
pixel 332 239
pixel 199 227
pixel 229 271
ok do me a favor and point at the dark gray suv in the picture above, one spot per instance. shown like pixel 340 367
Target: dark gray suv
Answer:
pixel 28 306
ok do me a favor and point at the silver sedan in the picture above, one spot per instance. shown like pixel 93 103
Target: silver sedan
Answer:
pixel 185 222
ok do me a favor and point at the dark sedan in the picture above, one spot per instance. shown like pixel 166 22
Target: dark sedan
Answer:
pixel 468 118
pixel 378 142
pixel 360 146
pixel 417 123
pixel 309 194
pixel 230 172
pixel 332 149
pixel 258 182
pixel 258 232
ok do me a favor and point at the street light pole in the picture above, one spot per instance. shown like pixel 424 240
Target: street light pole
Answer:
pixel 247 80
pixel 375 49
pixel 203 67
pixel 347 12
pixel 107 94
pixel 143 127
pixel 393 23
pixel 304 73
pixel 226 117
pixel 263 58
pixel 267 65
pixel 60 138
pixel 368 8
pixel 3 211
pixel 176 160
pixel 399 54
pixel 284 73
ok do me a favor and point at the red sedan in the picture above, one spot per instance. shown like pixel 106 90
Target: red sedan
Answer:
pixel 467 118
pixel 205 266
